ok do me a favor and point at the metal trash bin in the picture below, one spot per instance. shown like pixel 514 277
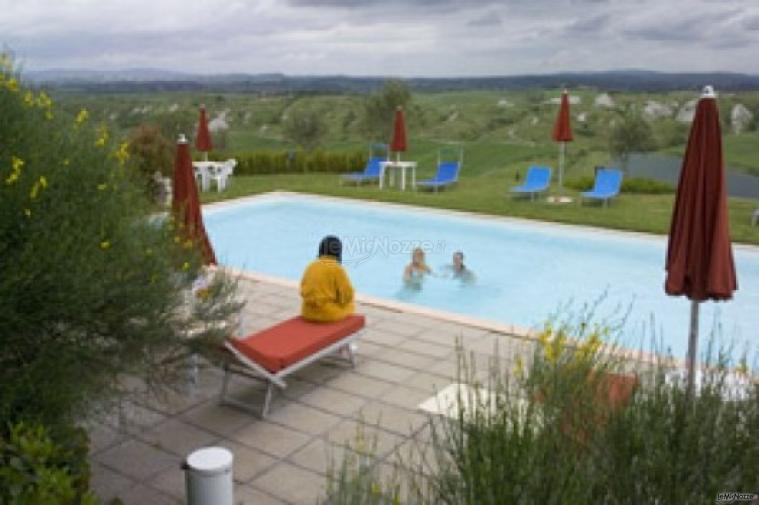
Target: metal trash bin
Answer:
pixel 208 477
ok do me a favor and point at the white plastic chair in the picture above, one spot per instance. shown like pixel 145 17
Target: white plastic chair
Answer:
pixel 220 174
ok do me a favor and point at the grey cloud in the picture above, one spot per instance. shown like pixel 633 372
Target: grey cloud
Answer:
pixel 490 19
pixel 751 23
pixel 691 28
pixel 589 26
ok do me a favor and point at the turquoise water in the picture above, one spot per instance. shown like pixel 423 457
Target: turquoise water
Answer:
pixel 525 271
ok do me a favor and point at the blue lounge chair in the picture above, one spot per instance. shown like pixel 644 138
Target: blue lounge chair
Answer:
pixel 447 174
pixel 537 180
pixel 607 185
pixel 370 174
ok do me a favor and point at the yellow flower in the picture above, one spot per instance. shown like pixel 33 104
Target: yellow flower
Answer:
pixel 103 138
pixel 519 367
pixel 43 181
pixel 66 162
pixel 102 187
pixel 28 212
pixel 5 62
pixel 105 245
pixel 44 101
pixel 187 244
pixel 376 489
pixel 122 153
pixel 29 98
pixel 82 116
pixel 12 85
pixel 16 164
pixel 48 114
pixel 177 239
pixel 148 252
pixel 185 266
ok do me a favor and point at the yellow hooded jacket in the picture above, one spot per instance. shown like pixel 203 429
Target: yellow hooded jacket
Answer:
pixel 326 291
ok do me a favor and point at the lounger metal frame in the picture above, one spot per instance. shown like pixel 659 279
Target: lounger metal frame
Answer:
pixel 242 365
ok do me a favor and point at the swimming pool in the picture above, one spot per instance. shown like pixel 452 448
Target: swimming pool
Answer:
pixel 525 270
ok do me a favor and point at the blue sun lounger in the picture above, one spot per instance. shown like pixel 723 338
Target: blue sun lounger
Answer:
pixel 536 181
pixel 607 186
pixel 447 174
pixel 370 174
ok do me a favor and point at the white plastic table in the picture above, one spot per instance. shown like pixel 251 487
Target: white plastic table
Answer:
pixel 394 166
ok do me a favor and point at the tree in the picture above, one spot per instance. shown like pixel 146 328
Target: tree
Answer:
pixel 151 152
pixel 305 128
pixel 380 107
pixel 92 286
pixel 629 133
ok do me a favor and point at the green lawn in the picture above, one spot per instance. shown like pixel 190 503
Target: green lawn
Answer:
pixel 487 193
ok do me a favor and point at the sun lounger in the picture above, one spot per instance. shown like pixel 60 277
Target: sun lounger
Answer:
pixel 371 173
pixel 447 174
pixel 274 353
pixel 607 185
pixel 537 180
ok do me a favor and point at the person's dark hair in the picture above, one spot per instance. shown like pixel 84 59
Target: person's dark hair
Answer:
pixel 460 254
pixel 331 246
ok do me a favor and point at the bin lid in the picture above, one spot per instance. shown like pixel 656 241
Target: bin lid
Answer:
pixel 210 460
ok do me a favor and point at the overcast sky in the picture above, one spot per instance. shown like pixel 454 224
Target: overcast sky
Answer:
pixel 384 37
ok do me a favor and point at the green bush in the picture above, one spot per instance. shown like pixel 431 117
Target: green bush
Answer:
pixel 37 470
pixel 557 431
pixel 640 185
pixel 294 162
pixel 91 288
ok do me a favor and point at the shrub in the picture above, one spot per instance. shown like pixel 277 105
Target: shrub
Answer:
pixel 640 185
pixel 305 128
pixel 557 430
pixel 36 470
pixel 151 152
pixel 91 288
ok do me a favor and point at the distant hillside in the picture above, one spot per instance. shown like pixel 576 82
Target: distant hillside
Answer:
pixel 136 80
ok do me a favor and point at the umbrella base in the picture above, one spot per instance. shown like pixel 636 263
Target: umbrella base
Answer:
pixel 559 199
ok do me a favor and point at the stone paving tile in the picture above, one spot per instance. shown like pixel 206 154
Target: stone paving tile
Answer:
pixel 434 349
pixel 428 382
pixel 318 456
pixel 381 337
pixel 137 460
pixel 102 436
pixel 352 382
pixel 334 401
pixel 144 495
pixel 403 328
pixel 385 371
pixel 170 482
pixel 219 419
pixel 179 437
pixel 271 438
pixel 323 371
pixel 366 348
pixel 405 397
pixel 399 420
pixel 107 484
pixel 417 362
pixel 248 463
pixel 292 484
pixel 350 431
pixel 303 418
pixel 246 495
pixel 133 418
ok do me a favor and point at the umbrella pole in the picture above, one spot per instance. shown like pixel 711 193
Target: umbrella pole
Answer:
pixel 562 149
pixel 205 155
pixel 692 346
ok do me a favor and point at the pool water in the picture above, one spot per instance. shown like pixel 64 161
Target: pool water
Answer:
pixel 525 271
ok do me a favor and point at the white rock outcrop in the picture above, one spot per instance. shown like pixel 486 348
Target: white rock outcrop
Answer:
pixel 656 110
pixel 740 118
pixel 604 100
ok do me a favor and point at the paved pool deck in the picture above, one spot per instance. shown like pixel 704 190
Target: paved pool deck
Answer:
pixel 403 358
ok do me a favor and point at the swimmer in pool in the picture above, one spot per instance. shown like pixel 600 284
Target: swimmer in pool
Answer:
pixel 458 270
pixel 417 269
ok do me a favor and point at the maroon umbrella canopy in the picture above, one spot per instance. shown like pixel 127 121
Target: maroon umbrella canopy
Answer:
pixel 399 132
pixel 203 137
pixel 699 255
pixel 186 203
pixel 562 131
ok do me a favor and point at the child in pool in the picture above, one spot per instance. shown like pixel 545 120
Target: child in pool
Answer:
pixel 417 269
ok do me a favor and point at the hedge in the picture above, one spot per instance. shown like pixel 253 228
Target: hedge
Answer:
pixel 292 162
pixel 632 185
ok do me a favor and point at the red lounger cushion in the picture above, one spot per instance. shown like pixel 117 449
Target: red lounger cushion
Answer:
pixel 293 340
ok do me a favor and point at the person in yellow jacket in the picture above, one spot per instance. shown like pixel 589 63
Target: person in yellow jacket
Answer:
pixel 325 288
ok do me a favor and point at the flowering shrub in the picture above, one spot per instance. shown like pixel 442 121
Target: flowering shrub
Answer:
pixel 91 288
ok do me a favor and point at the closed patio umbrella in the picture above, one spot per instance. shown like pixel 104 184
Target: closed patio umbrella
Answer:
pixel 562 133
pixel 186 203
pixel 398 143
pixel 700 262
pixel 203 136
